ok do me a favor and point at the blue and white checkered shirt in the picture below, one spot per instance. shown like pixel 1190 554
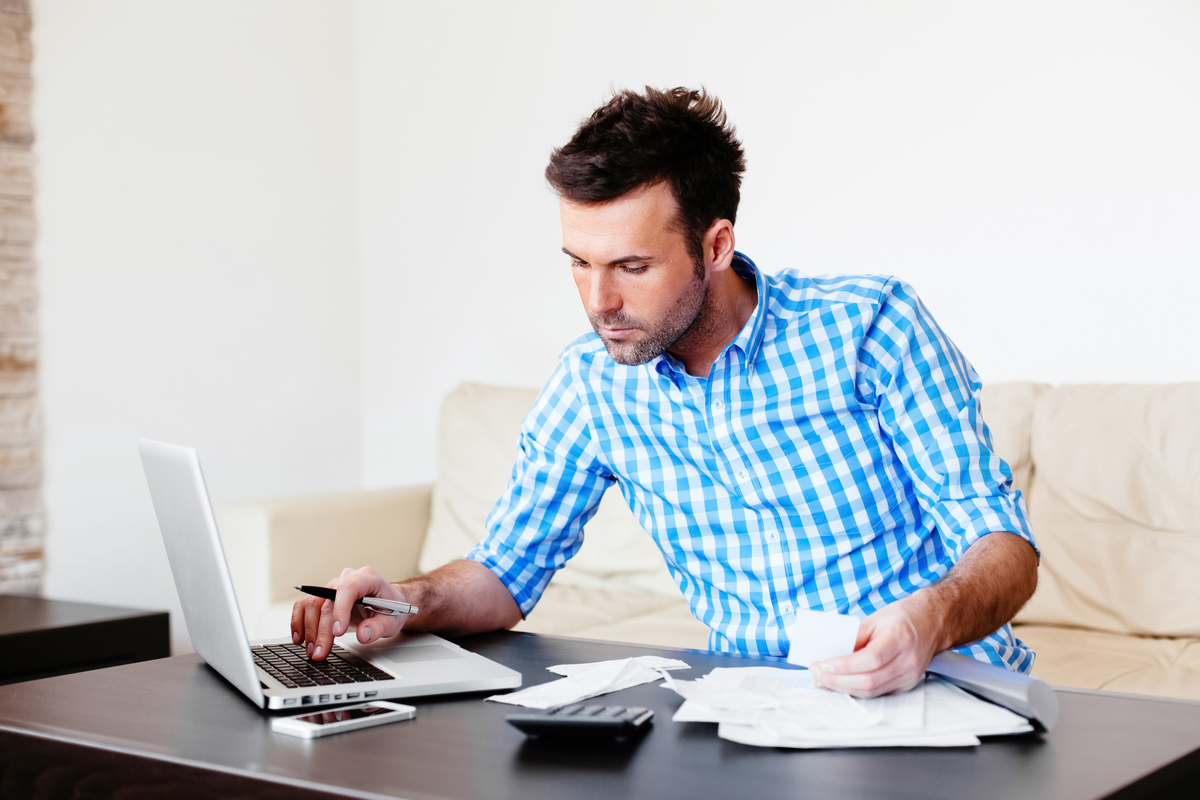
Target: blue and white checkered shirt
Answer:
pixel 834 459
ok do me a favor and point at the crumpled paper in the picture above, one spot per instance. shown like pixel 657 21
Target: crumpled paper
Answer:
pixel 772 707
pixel 582 681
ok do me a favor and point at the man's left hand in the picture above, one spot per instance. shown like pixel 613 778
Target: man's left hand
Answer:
pixel 893 650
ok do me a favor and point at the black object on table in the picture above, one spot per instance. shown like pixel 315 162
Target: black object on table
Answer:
pixel 40 638
pixel 179 714
pixel 578 720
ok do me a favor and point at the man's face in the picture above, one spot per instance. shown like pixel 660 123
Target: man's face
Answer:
pixel 633 270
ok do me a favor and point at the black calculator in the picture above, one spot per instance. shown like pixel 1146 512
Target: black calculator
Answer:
pixel 612 722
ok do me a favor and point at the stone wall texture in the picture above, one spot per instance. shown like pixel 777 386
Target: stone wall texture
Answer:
pixel 20 416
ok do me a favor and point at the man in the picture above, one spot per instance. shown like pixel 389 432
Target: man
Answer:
pixel 789 442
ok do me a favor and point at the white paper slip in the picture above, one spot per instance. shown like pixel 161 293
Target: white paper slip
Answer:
pixel 761 737
pixel 816 635
pixel 590 680
pixel 1022 694
pixel 653 662
pixel 949 709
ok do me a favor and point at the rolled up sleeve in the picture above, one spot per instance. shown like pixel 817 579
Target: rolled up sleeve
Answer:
pixel 556 485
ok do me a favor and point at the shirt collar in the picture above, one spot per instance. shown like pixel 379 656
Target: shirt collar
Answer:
pixel 749 339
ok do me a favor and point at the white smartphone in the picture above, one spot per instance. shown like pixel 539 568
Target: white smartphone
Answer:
pixel 338 720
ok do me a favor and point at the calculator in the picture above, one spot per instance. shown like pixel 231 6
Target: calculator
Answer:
pixel 613 722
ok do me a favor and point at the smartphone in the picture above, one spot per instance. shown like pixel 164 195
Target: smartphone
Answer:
pixel 338 720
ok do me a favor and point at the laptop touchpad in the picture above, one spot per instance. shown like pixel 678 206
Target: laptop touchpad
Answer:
pixel 420 652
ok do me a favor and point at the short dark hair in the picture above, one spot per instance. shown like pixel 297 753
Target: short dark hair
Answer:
pixel 678 135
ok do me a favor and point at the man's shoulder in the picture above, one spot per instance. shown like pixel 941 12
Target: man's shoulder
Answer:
pixel 586 366
pixel 584 352
pixel 584 362
pixel 795 292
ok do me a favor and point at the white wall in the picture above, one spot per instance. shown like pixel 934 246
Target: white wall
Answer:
pixel 1030 167
pixel 199 272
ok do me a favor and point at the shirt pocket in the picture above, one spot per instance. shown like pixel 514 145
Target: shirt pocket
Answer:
pixel 791 466
pixel 799 463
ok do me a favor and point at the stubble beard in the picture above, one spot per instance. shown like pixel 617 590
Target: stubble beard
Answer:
pixel 691 320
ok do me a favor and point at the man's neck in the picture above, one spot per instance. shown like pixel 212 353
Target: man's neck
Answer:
pixel 730 303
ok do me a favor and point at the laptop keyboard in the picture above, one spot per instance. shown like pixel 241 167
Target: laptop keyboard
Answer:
pixel 290 665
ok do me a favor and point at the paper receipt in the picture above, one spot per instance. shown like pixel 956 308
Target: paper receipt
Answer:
pixel 816 635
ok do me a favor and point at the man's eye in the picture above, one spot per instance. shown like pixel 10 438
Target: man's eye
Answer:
pixel 576 264
pixel 634 270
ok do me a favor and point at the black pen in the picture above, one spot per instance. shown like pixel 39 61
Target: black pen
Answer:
pixel 390 607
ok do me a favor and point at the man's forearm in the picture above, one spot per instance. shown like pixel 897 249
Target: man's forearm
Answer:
pixel 983 591
pixel 460 598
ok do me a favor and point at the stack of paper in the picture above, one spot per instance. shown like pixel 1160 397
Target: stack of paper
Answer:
pixel 771 707
pixel 589 680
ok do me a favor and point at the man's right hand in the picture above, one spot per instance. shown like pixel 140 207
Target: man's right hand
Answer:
pixel 315 621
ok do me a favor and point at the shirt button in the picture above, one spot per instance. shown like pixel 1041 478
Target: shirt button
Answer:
pixel 786 608
pixel 741 474
pixel 717 405
pixel 772 536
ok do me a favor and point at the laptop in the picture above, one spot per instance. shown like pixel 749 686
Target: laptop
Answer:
pixel 278 674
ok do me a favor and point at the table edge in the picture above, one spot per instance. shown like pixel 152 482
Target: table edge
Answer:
pixel 192 763
pixel 1127 695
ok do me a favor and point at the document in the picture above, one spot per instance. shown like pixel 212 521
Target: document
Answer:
pixel 650 662
pixel 771 707
pixel 816 635
pixel 1022 694
pixel 764 695
pixel 582 681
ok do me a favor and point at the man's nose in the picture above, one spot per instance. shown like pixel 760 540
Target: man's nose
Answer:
pixel 603 295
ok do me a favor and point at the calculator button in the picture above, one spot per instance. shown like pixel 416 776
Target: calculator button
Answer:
pixel 613 722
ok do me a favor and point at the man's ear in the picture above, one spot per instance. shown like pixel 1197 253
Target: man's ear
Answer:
pixel 718 246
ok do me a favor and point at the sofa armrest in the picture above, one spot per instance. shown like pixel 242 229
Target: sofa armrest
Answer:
pixel 272 545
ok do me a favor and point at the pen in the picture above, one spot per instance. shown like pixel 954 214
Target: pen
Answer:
pixel 390 607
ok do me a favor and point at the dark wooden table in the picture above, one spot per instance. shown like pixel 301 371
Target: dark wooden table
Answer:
pixel 40 638
pixel 177 714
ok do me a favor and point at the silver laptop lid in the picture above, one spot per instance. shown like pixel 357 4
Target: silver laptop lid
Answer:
pixel 189 531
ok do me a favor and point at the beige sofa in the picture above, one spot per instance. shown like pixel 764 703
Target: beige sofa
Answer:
pixel 1111 475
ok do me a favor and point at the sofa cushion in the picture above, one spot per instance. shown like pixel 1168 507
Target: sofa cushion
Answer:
pixel 477 446
pixel 1114 662
pixel 1115 506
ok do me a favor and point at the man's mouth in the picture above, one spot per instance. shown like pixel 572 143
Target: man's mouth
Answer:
pixel 614 328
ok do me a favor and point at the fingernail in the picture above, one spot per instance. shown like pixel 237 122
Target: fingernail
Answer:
pixel 295 638
pixel 317 652
pixel 337 628
pixel 309 647
pixel 367 633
